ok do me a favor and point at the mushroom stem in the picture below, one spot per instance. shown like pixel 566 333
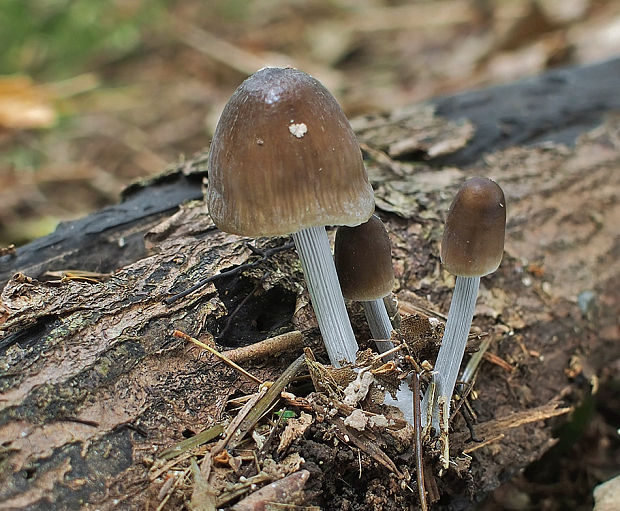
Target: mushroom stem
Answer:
pixel 381 329
pixel 379 323
pixel 453 344
pixel 325 293
pixel 403 401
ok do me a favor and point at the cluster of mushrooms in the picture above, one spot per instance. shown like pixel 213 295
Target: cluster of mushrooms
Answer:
pixel 284 160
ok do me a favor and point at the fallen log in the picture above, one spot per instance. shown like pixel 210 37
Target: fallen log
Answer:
pixel 93 385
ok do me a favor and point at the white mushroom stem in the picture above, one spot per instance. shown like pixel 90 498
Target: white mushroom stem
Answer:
pixel 379 323
pixel 452 345
pixel 381 329
pixel 325 293
pixel 403 401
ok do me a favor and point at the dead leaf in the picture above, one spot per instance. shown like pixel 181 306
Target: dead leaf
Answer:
pixel 294 429
pixel 24 105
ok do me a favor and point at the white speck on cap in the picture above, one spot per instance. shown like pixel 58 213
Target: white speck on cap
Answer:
pixel 299 129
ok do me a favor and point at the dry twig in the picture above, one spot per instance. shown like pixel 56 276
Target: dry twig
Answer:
pixel 223 358
pixel 287 342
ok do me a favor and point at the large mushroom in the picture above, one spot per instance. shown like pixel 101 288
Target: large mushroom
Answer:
pixel 472 246
pixel 284 160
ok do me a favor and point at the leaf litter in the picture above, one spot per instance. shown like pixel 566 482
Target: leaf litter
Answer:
pixel 256 459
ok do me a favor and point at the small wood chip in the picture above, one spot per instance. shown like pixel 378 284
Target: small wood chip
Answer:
pixel 294 429
pixel 288 490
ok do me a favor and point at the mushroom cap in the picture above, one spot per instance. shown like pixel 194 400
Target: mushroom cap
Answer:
pixel 284 157
pixel 363 259
pixel 473 239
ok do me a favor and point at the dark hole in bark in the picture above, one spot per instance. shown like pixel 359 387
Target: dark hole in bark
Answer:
pixel 188 433
pixel 253 313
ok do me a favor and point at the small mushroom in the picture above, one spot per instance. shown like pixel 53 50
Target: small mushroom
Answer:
pixel 472 246
pixel 283 160
pixel 363 258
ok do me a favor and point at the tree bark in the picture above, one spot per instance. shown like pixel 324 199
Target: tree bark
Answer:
pixel 93 385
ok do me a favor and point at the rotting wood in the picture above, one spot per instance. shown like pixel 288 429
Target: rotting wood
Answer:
pixel 93 386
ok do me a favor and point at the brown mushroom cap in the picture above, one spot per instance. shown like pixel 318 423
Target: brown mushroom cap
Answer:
pixel 284 158
pixel 473 239
pixel 363 258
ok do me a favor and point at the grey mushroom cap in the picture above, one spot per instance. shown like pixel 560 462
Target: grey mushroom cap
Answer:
pixel 473 239
pixel 284 158
pixel 363 258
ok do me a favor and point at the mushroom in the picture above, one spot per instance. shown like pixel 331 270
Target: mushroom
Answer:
pixel 472 246
pixel 363 258
pixel 284 159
